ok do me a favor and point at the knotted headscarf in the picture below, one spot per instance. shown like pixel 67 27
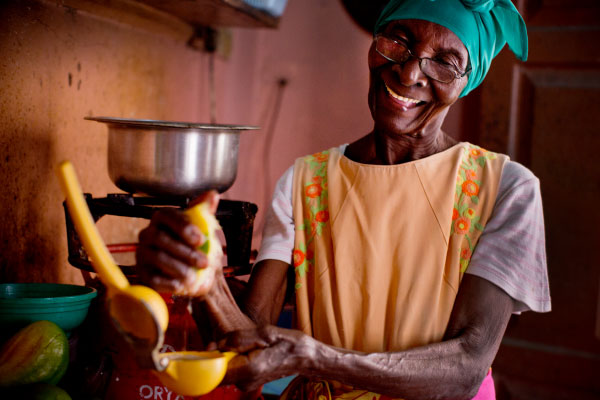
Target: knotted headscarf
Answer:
pixel 484 26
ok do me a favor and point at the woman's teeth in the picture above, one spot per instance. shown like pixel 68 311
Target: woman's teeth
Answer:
pixel 401 98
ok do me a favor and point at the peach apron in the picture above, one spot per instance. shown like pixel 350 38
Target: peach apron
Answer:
pixel 380 250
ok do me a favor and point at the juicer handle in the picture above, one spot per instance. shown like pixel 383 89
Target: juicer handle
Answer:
pixel 110 274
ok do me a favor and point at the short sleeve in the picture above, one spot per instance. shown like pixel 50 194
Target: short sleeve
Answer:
pixel 278 233
pixel 511 252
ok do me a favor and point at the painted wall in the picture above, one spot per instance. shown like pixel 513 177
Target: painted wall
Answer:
pixel 59 64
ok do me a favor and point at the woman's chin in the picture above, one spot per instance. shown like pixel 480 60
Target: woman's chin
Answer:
pixel 401 127
pixel 415 122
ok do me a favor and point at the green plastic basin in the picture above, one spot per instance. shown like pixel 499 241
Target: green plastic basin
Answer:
pixel 24 303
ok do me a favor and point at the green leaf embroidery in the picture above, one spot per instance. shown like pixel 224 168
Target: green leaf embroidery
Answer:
pixel 301 269
pixel 317 163
pixel 469 242
pixel 470 168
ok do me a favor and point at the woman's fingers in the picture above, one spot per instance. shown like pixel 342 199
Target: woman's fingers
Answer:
pixel 267 353
pixel 170 267
pixel 247 372
pixel 243 341
pixel 154 238
pixel 246 340
pixel 178 224
pixel 251 370
pixel 166 258
pixel 167 255
pixel 159 282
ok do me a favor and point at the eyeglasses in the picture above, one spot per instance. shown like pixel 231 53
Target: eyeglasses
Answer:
pixel 397 52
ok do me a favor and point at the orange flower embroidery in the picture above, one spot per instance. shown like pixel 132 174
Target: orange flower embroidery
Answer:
pixel 322 216
pixel 313 227
pixel 316 215
pixel 313 190
pixel 465 254
pixel 298 257
pixel 470 188
pixel 462 225
pixel 470 174
pixel 465 220
pixel 476 152
pixel 320 157
pixel 454 214
pixel 470 213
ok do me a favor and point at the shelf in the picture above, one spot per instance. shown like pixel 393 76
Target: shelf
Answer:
pixel 180 19
pixel 215 13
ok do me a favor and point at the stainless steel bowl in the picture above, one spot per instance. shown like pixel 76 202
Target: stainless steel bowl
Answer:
pixel 164 158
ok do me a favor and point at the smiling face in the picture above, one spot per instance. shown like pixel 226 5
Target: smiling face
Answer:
pixel 402 99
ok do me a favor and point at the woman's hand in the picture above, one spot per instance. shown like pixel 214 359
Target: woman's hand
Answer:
pixel 265 354
pixel 453 368
pixel 167 255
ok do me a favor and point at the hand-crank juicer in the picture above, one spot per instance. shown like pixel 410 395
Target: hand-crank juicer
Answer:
pixel 139 313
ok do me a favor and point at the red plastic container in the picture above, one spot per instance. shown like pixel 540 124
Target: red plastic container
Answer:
pixel 129 382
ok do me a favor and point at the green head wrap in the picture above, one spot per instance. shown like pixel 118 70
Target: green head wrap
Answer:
pixel 484 26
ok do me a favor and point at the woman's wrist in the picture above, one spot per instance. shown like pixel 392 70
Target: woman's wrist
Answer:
pixel 310 355
pixel 221 308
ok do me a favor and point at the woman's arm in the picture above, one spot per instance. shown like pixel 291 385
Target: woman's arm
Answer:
pixel 262 304
pixel 266 291
pixel 453 368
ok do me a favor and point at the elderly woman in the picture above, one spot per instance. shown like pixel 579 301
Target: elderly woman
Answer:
pixel 410 250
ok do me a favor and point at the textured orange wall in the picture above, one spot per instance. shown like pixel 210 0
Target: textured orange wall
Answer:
pixel 58 64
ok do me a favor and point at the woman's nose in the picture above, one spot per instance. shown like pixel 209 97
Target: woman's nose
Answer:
pixel 410 73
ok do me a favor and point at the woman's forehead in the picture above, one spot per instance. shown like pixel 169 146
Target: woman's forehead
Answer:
pixel 427 32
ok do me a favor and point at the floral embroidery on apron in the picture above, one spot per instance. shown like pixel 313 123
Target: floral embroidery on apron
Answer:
pixel 468 182
pixel 315 196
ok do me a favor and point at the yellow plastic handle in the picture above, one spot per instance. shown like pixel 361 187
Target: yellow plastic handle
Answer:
pixel 110 274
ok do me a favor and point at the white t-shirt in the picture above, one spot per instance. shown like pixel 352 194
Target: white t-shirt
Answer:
pixel 511 252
